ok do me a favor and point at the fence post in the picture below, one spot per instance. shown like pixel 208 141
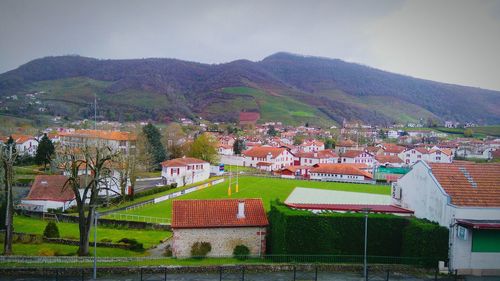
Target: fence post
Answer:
pixel 243 273
pixel 220 273
pixel 436 274
pixel 141 273
pixel 57 274
pixel 165 274
pixel 316 274
pixel 83 274
pixel 294 272
pixel 387 276
pixel 456 274
pixel 367 273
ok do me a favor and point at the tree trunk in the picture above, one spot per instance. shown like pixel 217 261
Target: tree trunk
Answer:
pixel 83 247
pixel 9 209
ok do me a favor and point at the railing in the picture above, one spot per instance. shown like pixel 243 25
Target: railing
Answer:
pixel 130 217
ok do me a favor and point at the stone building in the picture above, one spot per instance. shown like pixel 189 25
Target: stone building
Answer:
pixel 224 223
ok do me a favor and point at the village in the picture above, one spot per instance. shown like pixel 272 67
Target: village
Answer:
pixel 211 190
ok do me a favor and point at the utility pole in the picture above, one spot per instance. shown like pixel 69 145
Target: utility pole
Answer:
pixel 96 216
pixel 365 267
pixel 95 111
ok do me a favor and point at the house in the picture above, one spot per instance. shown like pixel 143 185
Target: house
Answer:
pixel 296 172
pixel 312 146
pixel 313 158
pixel 465 198
pixel 267 158
pixel 434 155
pixel 389 161
pixel 340 172
pixel 357 156
pixel 48 192
pixel 225 149
pixel 412 155
pixel 224 223
pixel 440 155
pixel 393 150
pixel 346 145
pixel 25 144
pixel 116 140
pixel 183 171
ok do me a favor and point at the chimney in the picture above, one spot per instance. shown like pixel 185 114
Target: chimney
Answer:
pixel 241 209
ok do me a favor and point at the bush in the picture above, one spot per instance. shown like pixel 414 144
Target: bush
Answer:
pixel 241 252
pixel 51 230
pixel 106 240
pixel 134 245
pixel 297 232
pixel 168 251
pixel 46 252
pixel 200 249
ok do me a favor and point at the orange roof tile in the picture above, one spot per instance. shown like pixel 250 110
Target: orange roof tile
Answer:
pixel 100 134
pixel 217 213
pixel 481 188
pixel 388 159
pixel 181 162
pixel 263 151
pixel 327 153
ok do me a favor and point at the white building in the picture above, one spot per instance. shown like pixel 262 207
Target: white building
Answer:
pixel 116 140
pixel 48 192
pixel 356 157
pixel 339 172
pixel 267 158
pixel 312 146
pixel 313 158
pixel 464 197
pixel 436 155
pixel 25 144
pixel 183 171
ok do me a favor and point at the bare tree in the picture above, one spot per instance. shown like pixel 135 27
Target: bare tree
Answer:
pixel 96 162
pixel 8 156
pixel 126 163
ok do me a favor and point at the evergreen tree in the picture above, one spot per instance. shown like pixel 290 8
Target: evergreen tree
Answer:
pixel 11 142
pixel 156 148
pixel 329 143
pixel 44 151
pixel 238 146
pixel 272 131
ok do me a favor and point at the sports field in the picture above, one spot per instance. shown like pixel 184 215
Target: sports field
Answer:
pixel 268 189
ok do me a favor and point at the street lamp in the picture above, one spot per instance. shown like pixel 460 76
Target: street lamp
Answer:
pixel 365 267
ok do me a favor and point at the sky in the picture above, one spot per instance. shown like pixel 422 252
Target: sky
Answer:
pixel 452 41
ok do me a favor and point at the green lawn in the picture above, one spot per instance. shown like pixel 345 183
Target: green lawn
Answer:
pixel 70 230
pixel 35 249
pixel 257 187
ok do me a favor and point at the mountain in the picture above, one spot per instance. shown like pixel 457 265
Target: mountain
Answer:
pixel 285 87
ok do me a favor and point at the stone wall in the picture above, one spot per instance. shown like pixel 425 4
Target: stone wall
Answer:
pixel 223 240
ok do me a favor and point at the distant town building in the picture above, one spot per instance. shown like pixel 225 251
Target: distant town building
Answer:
pixel 267 158
pixel 116 140
pixel 25 144
pixel 249 119
pixel 339 172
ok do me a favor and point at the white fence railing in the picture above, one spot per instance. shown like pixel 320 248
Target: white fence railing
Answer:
pixel 187 190
pixel 130 217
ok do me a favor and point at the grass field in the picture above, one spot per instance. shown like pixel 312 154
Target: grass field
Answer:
pixel 257 187
pixel 70 230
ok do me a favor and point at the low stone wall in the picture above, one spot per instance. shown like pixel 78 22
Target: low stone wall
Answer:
pixel 76 243
pixel 67 271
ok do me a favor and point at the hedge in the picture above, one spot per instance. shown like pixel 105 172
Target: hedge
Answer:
pixel 298 232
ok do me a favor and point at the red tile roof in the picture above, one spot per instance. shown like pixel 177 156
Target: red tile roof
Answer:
pixel 217 213
pixel 263 151
pixel 50 187
pixel 481 188
pixel 346 143
pixel 388 159
pixel 100 134
pixel 181 162
pixel 353 153
pixel 340 169
pixel 394 149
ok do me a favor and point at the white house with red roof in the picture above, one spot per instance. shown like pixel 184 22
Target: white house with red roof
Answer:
pixel 357 156
pixel 410 156
pixel 267 158
pixel 48 192
pixel 183 171
pixel 311 146
pixel 25 144
pixel 296 172
pixel 340 172
pixel 225 149
pixel 465 198
pixel 316 157
pixel 389 161
pixel 435 155
pixel 224 223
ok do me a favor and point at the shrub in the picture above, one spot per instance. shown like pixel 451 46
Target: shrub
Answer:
pixel 200 249
pixel 106 240
pixel 241 252
pixel 168 251
pixel 134 245
pixel 46 252
pixel 51 230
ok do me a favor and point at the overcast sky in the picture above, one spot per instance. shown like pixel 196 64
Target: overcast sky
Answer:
pixel 449 41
